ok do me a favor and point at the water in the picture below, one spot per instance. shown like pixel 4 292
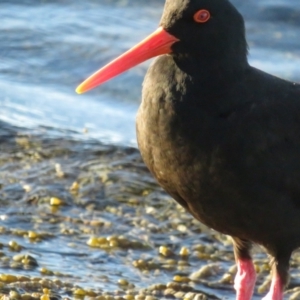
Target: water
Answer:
pixel 47 48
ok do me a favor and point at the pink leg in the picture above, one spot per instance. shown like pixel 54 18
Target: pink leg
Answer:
pixel 276 289
pixel 245 279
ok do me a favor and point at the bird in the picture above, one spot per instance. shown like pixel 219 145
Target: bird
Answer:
pixel 219 135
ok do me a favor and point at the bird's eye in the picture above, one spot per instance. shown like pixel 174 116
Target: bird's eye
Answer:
pixel 202 16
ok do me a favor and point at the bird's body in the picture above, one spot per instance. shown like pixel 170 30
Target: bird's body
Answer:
pixel 221 137
pixel 223 156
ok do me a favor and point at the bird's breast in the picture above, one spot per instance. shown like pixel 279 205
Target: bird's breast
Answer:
pixel 184 167
pixel 176 146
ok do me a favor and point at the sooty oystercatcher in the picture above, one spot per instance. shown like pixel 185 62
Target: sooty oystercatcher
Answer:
pixel 221 137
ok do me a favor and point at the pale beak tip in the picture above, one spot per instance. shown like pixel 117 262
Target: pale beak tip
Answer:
pixel 79 90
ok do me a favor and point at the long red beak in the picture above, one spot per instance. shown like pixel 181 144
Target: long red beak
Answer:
pixel 159 42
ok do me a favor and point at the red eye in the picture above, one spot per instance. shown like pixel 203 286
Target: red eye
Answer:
pixel 202 16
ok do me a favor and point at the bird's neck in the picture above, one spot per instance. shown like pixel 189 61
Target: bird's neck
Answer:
pixel 211 72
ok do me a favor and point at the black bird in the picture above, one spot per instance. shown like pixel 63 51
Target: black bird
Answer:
pixel 221 137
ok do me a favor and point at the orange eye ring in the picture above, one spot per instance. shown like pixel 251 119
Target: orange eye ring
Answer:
pixel 202 16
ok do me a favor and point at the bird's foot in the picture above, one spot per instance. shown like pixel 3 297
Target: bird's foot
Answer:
pixel 245 279
pixel 276 290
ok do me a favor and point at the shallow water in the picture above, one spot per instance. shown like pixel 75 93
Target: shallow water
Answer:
pixel 52 138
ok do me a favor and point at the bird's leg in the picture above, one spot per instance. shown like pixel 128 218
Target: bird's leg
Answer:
pixel 245 277
pixel 276 289
pixel 280 268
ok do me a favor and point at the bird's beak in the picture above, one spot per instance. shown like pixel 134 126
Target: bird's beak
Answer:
pixel 159 42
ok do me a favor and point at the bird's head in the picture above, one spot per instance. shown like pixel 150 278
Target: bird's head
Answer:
pixel 204 27
pixel 206 30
